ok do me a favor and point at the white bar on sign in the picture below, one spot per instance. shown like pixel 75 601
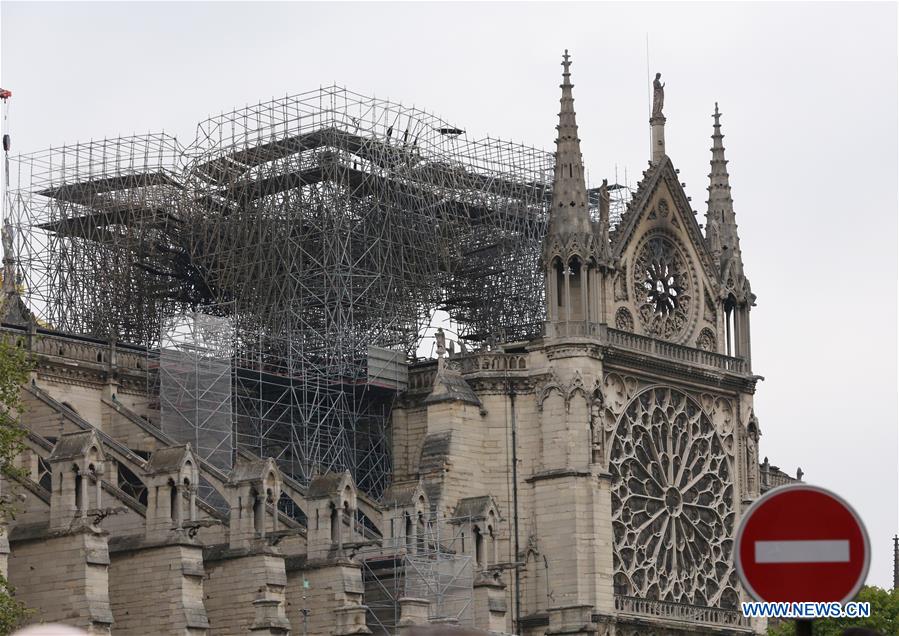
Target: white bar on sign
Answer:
pixel 802 551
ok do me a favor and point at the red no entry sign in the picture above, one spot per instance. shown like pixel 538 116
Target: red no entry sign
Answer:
pixel 802 543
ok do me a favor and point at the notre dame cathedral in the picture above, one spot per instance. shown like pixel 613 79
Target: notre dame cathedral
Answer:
pixel 588 480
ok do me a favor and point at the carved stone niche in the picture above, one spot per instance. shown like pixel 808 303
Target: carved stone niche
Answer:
pixel 253 489
pixel 76 467
pixel 406 508
pixel 172 476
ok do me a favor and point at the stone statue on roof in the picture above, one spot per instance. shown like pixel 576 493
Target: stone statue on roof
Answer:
pixel 9 261
pixel 7 240
pixel 440 337
pixel 658 96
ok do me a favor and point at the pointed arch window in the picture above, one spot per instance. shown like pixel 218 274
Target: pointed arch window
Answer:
pixel 730 318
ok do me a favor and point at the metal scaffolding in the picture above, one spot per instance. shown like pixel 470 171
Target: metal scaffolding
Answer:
pixel 431 565
pixel 195 398
pixel 319 225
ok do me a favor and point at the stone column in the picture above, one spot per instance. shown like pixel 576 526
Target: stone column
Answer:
pixel 193 502
pixel 551 293
pixel 657 125
pixel 585 277
pixel 83 495
pixel 177 506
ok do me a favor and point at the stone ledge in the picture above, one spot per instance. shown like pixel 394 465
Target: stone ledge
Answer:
pixel 136 542
pixel 534 620
pixel 557 473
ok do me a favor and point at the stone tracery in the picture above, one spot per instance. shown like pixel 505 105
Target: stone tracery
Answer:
pixel 672 500
pixel 662 288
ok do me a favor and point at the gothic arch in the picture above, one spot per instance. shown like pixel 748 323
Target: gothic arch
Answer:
pixel 544 391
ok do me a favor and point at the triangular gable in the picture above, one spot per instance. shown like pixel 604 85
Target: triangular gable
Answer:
pixel 250 468
pixel 638 209
pixel 169 460
pixel 75 446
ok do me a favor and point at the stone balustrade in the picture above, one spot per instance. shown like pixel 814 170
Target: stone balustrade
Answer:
pixel 678 353
pixel 422 378
pixel 573 329
pixel 82 348
pixel 694 614
pixel 494 361
pixel 772 477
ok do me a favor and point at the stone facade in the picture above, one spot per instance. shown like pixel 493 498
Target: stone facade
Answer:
pixel 623 445
pixel 586 482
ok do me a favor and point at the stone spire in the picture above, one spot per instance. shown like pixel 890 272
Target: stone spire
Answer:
pixel 571 251
pixel 721 222
pixel 569 203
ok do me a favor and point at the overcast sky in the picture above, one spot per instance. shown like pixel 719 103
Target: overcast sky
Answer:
pixel 808 94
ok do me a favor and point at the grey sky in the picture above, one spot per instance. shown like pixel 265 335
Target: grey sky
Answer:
pixel 808 94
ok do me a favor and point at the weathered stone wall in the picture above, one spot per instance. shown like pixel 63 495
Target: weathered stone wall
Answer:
pixel 234 582
pixel 333 598
pixel 84 400
pixel 125 431
pixel 409 426
pixel 64 578
pixel 159 586
pixel 44 419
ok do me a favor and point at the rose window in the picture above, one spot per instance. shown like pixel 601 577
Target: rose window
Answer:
pixel 662 288
pixel 672 503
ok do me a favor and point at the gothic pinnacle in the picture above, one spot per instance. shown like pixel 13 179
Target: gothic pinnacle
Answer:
pixel 721 221
pixel 569 207
pixel 720 210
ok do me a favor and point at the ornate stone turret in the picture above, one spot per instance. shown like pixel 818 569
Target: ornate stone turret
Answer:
pixel 172 479
pixel 332 508
pixel 724 244
pixel 571 250
pixel 255 485
pixel 76 465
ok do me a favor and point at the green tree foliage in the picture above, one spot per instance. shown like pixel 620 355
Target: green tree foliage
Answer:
pixel 884 617
pixel 15 365
pixel 12 612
